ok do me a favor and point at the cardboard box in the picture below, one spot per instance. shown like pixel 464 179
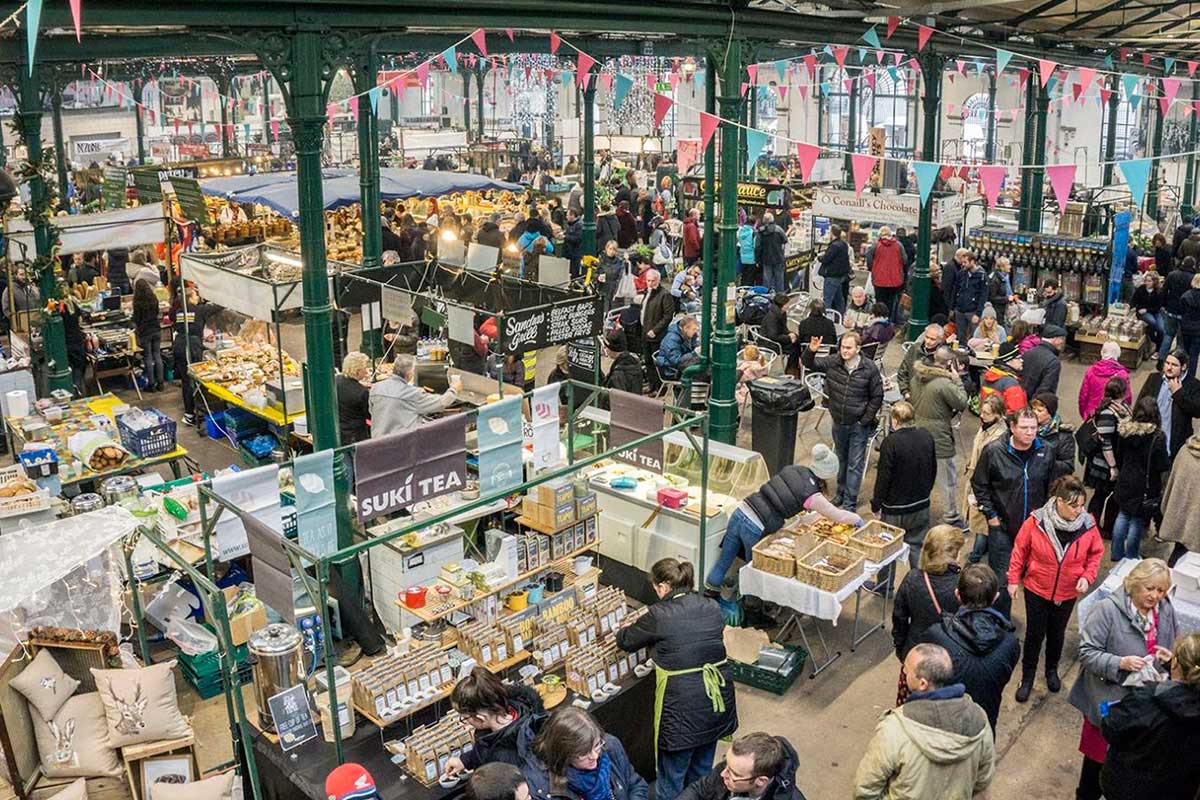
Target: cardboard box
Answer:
pixel 556 493
pixel 241 626
pixel 564 515
pixel 586 506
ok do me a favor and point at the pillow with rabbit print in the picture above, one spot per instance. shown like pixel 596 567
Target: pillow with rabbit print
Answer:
pixel 75 743
pixel 140 704
pixel 45 685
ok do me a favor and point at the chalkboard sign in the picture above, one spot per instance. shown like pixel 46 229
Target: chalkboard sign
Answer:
pixel 191 201
pixel 148 185
pixel 543 326
pixel 582 357
pixel 293 717
pixel 114 187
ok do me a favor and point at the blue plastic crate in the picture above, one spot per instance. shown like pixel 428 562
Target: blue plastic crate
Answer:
pixel 157 440
pixel 214 425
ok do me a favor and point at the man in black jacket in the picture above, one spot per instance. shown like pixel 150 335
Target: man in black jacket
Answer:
pixel 854 389
pixel 1176 283
pixel 835 269
pixel 658 307
pixel 758 766
pixel 1177 395
pixel 768 252
pixel 1041 365
pixel 573 242
pixel 904 479
pixel 980 640
pixel 1011 479
pixel 1055 305
pixel 625 373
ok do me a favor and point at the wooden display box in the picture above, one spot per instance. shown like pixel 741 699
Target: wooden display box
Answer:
pixel 134 755
pixel 1132 353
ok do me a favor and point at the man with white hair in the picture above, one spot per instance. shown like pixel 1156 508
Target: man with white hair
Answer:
pixel 934 337
pixel 658 307
pixel 399 405
pixel 768 250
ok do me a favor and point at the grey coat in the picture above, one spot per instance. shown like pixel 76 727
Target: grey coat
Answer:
pixel 398 406
pixel 1108 634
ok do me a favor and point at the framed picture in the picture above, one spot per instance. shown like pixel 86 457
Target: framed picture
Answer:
pixel 165 769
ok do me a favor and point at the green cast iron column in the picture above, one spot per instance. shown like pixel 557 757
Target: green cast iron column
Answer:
pixel 722 406
pixel 931 74
pixel 989 147
pixel 743 117
pixel 223 88
pixel 1156 147
pixel 60 154
pixel 1110 138
pixel 466 79
pixel 139 121
pixel 479 76
pixel 268 136
pixel 710 194
pixel 365 76
pixel 1027 151
pixel 306 117
pixel 588 164
pixel 852 130
pixel 1189 179
pixel 1037 181
pixel 54 340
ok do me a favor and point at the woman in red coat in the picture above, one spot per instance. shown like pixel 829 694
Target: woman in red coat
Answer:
pixel 1056 557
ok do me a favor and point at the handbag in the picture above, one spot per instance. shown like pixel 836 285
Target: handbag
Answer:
pixel 1150 507
pixel 1087 440
pixel 626 287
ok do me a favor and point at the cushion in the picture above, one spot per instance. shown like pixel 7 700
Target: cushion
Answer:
pixel 140 704
pixel 74 791
pixel 45 685
pixel 218 787
pixel 75 743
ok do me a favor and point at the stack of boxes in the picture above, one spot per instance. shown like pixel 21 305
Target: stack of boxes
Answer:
pixel 484 642
pixel 395 684
pixel 429 747
pixel 1185 576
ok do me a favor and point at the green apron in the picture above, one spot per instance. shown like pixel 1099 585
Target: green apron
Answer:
pixel 714 682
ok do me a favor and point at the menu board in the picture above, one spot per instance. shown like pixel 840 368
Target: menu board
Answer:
pixel 582 358
pixel 292 717
pixel 114 187
pixel 191 200
pixel 544 326
pixel 148 185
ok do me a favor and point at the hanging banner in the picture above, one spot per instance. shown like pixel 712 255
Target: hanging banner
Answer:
pixel 394 472
pixel 113 190
pixel 543 406
pixel 315 513
pixel 759 195
pixel 191 200
pixel 500 445
pixel 255 492
pixel 885 209
pixel 634 416
pixel 544 326
pixel 1120 244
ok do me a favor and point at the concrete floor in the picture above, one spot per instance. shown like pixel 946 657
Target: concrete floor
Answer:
pixel 831 718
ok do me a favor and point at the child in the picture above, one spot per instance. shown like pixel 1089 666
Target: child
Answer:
pixel 497 781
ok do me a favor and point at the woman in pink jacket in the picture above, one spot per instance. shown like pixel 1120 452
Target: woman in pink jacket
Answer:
pixel 1091 392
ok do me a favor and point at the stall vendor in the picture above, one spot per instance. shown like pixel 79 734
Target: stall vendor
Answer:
pixel 399 405
pixel 795 489
pixel 694 702
pixel 499 712
pixel 353 398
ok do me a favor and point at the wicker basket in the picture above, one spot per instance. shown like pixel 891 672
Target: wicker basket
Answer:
pixel 775 554
pixel 23 504
pixel 843 565
pixel 873 551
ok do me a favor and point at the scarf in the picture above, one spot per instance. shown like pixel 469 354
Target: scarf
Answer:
pixel 592 784
pixel 1055 526
pixel 1051 426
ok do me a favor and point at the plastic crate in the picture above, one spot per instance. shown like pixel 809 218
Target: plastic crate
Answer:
pixel 23 504
pixel 769 679
pixel 208 663
pixel 157 440
pixel 214 425
pixel 242 423
pixel 210 686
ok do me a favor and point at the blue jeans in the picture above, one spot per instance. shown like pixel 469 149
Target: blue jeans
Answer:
pixel 963 325
pixel 833 294
pixel 680 768
pixel 1127 536
pixel 773 278
pixel 850 444
pixel 1170 329
pixel 1157 325
pixel 740 536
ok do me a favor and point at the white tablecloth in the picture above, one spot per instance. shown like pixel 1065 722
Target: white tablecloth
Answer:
pixel 802 597
pixel 1187 615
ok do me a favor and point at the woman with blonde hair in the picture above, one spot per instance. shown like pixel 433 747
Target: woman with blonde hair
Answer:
pixel 353 398
pixel 1150 728
pixel 991 427
pixel 1126 632
pixel 926 593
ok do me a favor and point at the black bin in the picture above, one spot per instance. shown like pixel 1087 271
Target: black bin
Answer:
pixel 777 401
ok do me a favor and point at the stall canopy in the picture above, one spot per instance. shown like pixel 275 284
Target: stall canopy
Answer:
pixel 104 230
pixel 278 191
pixel 248 280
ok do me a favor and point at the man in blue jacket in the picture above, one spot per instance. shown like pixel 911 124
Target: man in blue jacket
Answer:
pixel 970 295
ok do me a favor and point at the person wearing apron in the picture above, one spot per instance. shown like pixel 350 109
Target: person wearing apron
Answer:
pixel 694 702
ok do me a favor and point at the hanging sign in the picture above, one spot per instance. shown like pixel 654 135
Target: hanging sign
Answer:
pixel 548 325
pixel 191 200
pixel 500 444
pixel 795 264
pixel 764 195
pixel 876 146
pixel 292 717
pixel 633 417
pixel 1120 244
pixel 316 519
pixel 394 472
pixel 885 209
pixel 114 187
pixel 581 359
pixel 148 185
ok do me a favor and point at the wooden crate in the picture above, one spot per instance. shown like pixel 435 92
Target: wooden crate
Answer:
pixel 775 554
pixel 860 540
pixel 841 566
pixel 134 754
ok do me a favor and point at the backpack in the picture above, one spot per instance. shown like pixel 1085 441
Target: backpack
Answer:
pixel 752 308
pixel 1087 440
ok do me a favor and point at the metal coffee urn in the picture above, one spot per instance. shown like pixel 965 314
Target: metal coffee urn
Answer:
pixel 277 648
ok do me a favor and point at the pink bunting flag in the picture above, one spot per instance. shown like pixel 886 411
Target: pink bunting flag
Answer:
pixel 897 58
pixel 607 79
pixel 809 153
pixel 997 114
pixel 803 90
pixel 870 77
pixel 275 128
pixel 1191 67
pixel 848 84
pixel 992 178
pixel 1062 178
pixel 423 73
pixel 583 69
pixel 1163 105
pixel 752 71
pixel 75 17
pixel 554 43
pixel 1046 69
pixel 1105 95
pixel 1086 76
pixel 1196 107
pixel 950 77
pixel 745 86
pixel 839 55
pixel 480 39
pixel 810 64
pixel 673 79
pixel 708 126
pixel 662 104
pixel 782 91
pixel 1014 113
pixel 861 165
pixel 651 81
pixel 331 110
pixel 1076 91
pixel 923 34
pixel 1146 59
pixel 1123 53
pixel 961 66
pixel 892 24
pixel 1170 89
pixel 509 33
pixel 879 57
pixel 354 106
pixel 1022 76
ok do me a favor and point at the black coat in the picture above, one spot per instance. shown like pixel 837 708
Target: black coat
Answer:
pixel 984 651
pixel 1056 310
pixel 1153 736
pixel 817 325
pixel 906 473
pixel 914 611
pixel 774 327
pixel 117 276
pixel 625 374
pixel 1061 442
pixel 1009 489
pixel 607 228
pixel 997 294
pixel 686 631
pixel 573 240
pixel 1142 462
pixel 1041 370
pixel 782 786
pixel 354 409
pixel 835 261
pixel 853 396
pixel 1185 407
pixel 504 745
pixel 1177 283
pixel 768 248
pixel 783 497
pixel 1189 316
pixel 659 307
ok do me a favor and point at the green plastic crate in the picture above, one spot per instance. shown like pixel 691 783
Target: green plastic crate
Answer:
pixel 212 685
pixel 769 679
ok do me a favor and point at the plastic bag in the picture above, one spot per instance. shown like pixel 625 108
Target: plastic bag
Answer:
pixel 626 287
pixel 192 639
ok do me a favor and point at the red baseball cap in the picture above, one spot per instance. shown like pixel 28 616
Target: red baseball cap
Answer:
pixel 350 782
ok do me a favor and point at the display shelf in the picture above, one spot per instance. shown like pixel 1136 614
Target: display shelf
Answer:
pixel 425 615
pixel 526 522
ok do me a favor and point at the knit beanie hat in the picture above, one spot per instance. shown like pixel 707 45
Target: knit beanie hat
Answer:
pixel 350 781
pixel 1008 351
pixel 824 462
pixel 1049 401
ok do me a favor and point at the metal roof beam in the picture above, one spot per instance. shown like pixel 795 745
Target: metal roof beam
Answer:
pixel 1037 11
pixel 1143 18
pixel 1093 15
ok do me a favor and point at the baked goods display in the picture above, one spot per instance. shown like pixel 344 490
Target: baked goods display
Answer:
pixel 245 367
